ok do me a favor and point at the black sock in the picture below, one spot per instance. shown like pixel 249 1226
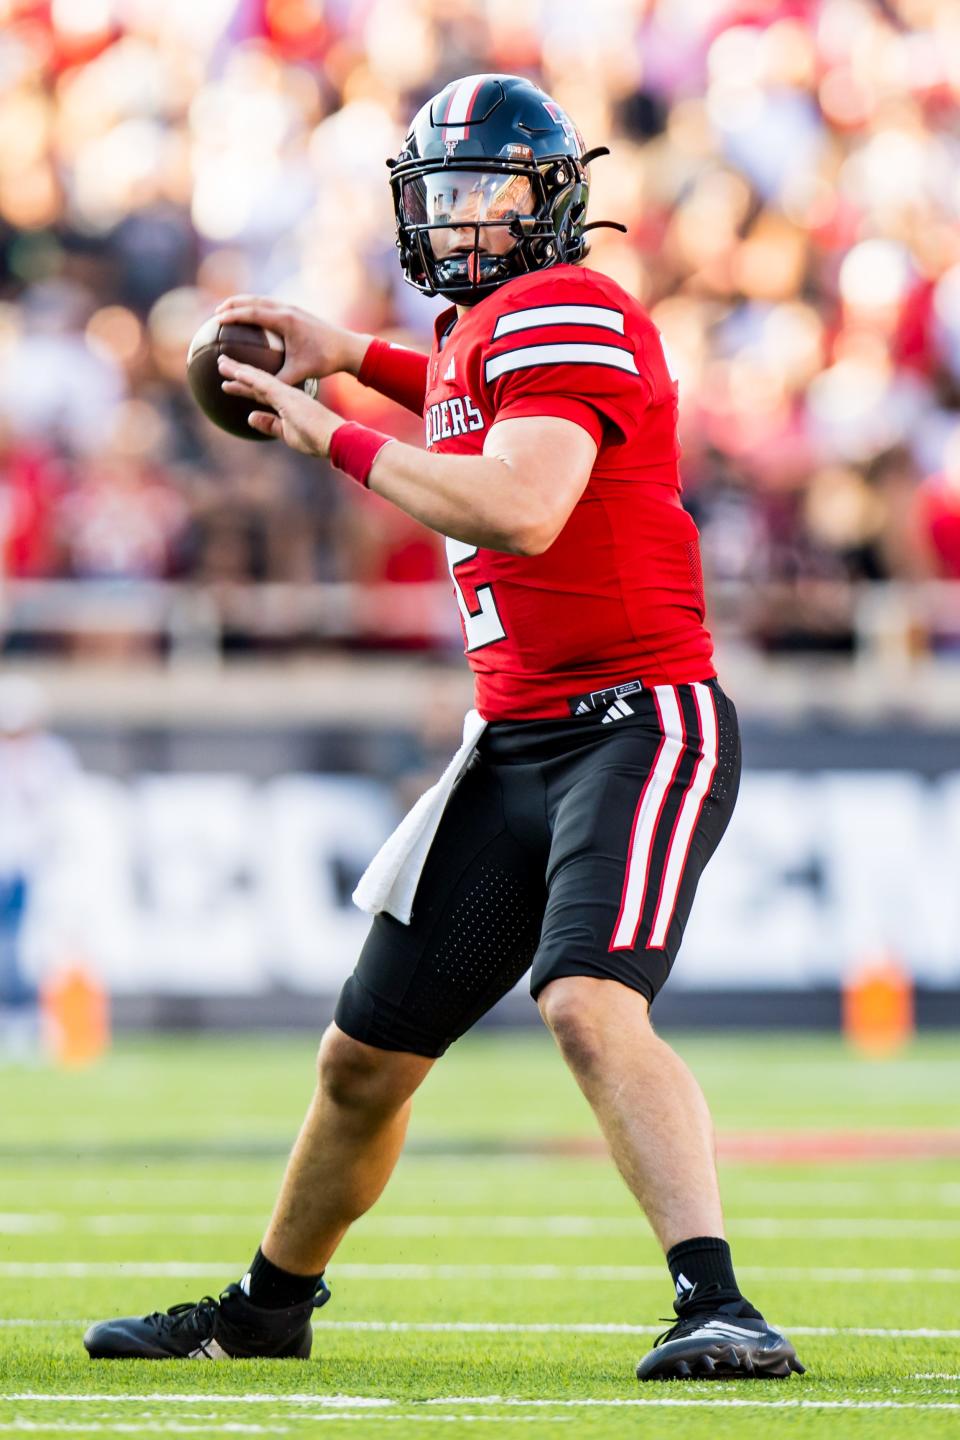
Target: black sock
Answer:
pixel 702 1271
pixel 271 1288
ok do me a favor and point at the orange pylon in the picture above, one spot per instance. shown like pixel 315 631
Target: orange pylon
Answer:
pixel 878 1009
pixel 76 1017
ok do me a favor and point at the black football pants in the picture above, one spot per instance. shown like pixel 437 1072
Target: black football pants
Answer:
pixel 574 845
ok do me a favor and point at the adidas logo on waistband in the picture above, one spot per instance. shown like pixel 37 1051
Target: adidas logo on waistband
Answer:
pixel 618 710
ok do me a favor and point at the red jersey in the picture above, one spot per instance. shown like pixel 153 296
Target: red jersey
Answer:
pixel 618 596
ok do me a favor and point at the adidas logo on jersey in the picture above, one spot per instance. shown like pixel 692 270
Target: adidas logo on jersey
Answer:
pixel 452 417
pixel 451 371
pixel 617 711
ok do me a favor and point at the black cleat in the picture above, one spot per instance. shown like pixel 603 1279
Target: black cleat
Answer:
pixel 230 1328
pixel 720 1344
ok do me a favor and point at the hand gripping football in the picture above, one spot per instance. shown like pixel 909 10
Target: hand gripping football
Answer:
pixel 250 345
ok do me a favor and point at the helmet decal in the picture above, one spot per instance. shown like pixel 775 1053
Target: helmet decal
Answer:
pixel 561 118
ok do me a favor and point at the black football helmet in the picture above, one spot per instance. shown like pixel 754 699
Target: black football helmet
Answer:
pixel 489 151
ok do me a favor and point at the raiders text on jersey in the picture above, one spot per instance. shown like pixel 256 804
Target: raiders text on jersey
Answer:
pixel 448 418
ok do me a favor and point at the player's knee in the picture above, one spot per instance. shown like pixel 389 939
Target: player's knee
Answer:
pixel 355 1076
pixel 568 1007
pixel 351 1074
pixel 581 1011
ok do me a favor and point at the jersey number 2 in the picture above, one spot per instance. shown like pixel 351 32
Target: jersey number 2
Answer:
pixel 483 625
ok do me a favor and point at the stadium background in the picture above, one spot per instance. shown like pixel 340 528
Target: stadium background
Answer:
pixel 250 668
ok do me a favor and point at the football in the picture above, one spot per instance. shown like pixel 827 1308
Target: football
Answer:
pixel 248 344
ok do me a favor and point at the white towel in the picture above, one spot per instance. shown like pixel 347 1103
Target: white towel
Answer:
pixel 390 880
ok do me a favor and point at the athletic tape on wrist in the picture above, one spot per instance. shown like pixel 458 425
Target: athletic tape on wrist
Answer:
pixel 353 449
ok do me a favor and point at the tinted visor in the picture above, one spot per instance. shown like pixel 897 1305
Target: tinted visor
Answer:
pixel 467 197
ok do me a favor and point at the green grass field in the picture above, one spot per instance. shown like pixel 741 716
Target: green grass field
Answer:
pixel 494 1288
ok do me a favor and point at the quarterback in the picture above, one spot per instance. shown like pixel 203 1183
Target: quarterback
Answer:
pixel 603 762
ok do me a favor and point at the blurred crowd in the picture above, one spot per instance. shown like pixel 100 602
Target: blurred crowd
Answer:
pixel 789 172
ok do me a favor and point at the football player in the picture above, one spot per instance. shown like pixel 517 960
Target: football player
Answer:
pixel 608 767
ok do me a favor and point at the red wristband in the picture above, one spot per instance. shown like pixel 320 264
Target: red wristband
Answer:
pixel 353 449
pixel 397 372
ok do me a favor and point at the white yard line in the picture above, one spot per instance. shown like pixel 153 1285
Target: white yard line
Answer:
pixel 185 1269
pixel 704 1403
pixel 141 1427
pixel 466 1327
pixel 172 1427
pixel 494 1327
pixel 525 1226
pixel 177 1397
pixel 367 1403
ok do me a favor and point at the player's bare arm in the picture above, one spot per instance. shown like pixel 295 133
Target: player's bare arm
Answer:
pixel 515 497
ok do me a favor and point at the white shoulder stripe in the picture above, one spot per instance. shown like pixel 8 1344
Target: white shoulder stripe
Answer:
pixel 560 355
pixel 600 315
